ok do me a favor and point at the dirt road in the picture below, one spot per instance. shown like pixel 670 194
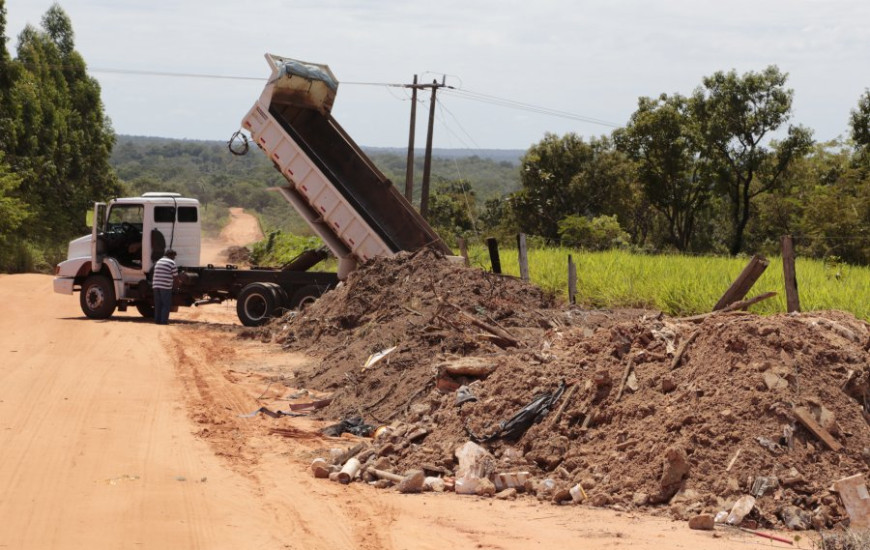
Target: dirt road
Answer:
pixel 125 434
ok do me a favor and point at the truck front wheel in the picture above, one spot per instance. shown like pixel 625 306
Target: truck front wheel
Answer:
pixel 98 297
pixel 255 304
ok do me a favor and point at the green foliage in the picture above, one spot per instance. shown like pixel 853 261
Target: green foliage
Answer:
pixel 279 248
pixel 565 176
pixel 735 114
pixel 453 209
pixel 599 233
pixel 663 140
pixel 859 120
pixel 56 138
pixel 683 285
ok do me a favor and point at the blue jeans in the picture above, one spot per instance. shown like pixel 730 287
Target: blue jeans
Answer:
pixel 162 305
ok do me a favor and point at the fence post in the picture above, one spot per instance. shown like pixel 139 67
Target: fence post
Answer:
pixel 463 251
pixel 572 281
pixel 792 300
pixel 523 255
pixel 743 282
pixel 492 244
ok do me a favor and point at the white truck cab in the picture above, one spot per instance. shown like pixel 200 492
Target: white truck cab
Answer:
pixel 111 266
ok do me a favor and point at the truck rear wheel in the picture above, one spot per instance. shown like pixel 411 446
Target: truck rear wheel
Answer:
pixel 255 304
pixel 282 302
pixel 306 296
pixel 97 297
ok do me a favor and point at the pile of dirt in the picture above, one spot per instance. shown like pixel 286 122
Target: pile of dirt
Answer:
pixel 681 416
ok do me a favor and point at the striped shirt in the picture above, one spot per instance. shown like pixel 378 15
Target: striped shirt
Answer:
pixel 165 271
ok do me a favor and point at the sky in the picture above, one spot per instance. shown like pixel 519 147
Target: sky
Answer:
pixel 586 61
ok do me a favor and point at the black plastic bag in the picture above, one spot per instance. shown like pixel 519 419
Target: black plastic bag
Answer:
pixel 514 427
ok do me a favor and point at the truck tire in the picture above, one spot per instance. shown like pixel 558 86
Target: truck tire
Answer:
pixel 145 309
pixel 306 296
pixel 97 297
pixel 282 302
pixel 255 304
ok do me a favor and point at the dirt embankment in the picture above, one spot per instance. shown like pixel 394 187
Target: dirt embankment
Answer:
pixel 638 429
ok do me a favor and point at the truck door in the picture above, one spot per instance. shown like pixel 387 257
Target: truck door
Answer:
pixel 97 252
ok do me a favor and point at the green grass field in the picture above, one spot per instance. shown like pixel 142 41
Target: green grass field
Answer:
pixel 684 285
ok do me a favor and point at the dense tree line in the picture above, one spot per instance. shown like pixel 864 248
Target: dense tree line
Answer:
pixel 719 171
pixel 55 142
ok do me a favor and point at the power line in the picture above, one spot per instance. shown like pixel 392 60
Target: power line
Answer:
pixel 457 92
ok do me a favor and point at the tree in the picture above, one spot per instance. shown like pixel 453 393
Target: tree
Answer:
pixel 662 138
pixel 735 117
pixel 452 208
pixel 62 147
pixel 565 175
pixel 860 121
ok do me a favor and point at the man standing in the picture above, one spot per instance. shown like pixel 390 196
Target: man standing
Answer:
pixel 165 272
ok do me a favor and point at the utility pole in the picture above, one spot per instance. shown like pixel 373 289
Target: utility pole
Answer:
pixel 427 161
pixel 409 169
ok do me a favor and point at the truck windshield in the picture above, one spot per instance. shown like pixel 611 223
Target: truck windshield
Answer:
pixel 121 214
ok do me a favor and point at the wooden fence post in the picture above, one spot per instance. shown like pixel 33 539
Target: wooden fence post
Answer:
pixel 744 282
pixel 523 256
pixel 572 281
pixel 492 244
pixel 792 300
pixel 463 251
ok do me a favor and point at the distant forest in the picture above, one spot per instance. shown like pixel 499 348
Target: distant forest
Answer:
pixel 206 170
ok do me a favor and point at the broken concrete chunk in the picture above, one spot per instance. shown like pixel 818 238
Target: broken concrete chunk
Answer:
pixel 412 483
pixel 702 522
pixel 507 494
pixel 435 484
pixel 485 488
pixel 774 382
pixel 853 492
pixel 510 480
pixel 674 471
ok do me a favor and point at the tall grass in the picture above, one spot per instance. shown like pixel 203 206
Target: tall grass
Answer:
pixel 683 285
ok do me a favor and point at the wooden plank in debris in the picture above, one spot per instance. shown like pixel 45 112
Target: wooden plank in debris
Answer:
pixel 792 301
pixel 678 356
pixel 806 418
pixel 741 286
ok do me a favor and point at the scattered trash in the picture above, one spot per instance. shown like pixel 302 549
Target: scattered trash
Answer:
pixel 510 480
pixel 349 471
pixel 740 510
pixel 517 425
pixel 464 395
pixel 375 357
pixel 769 444
pixel 578 495
pixel 354 425
pixel 761 484
pixel 270 413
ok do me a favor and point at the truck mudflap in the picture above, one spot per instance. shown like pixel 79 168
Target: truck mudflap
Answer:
pixel 337 189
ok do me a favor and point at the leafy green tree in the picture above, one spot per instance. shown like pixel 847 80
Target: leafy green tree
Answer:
pixel 599 233
pixel 860 121
pixel 662 138
pixel 63 141
pixel 452 209
pixel 736 116
pixel 566 175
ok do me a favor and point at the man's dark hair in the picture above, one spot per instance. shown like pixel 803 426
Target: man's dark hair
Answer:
pixel 169 253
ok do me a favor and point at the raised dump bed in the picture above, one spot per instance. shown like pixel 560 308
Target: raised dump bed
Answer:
pixel 336 188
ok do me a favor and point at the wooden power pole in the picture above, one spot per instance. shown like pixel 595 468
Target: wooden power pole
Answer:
pixel 427 161
pixel 409 170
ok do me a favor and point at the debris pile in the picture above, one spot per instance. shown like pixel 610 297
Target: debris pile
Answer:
pixel 483 383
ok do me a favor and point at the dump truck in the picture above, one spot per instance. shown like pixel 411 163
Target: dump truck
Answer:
pixel 330 182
